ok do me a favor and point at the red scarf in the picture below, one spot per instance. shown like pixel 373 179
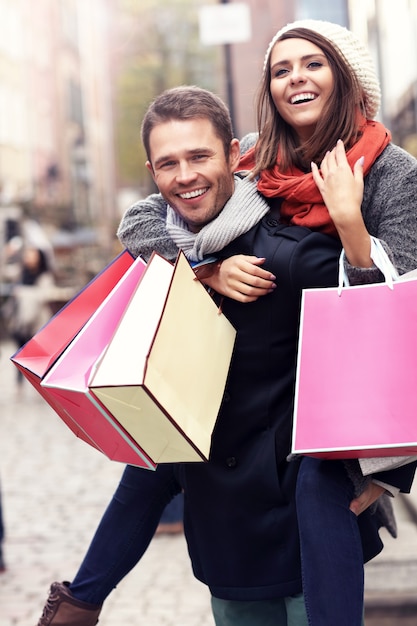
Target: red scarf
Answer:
pixel 303 204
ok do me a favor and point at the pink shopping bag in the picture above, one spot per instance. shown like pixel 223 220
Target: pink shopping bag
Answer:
pixel 39 354
pixel 356 392
pixel 67 380
pixel 35 358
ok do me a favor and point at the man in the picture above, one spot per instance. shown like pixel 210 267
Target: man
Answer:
pixel 192 157
pixel 239 514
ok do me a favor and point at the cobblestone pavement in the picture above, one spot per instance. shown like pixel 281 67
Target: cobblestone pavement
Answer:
pixel 54 491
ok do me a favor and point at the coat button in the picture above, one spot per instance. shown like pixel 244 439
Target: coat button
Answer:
pixel 231 461
pixel 226 396
pixel 272 222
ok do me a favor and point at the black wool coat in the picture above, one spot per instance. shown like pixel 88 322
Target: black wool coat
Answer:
pixel 240 517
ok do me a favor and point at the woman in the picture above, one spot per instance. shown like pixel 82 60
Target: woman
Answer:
pixel 317 102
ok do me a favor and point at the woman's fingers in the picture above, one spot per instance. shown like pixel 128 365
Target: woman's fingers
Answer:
pixel 242 278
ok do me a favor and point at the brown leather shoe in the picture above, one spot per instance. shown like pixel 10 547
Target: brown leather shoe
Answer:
pixel 62 609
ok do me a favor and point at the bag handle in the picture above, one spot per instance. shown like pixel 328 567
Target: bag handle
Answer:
pixel 380 259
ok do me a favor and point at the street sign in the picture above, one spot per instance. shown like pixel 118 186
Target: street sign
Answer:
pixel 225 23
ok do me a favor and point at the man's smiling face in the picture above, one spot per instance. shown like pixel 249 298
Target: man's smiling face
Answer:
pixel 191 170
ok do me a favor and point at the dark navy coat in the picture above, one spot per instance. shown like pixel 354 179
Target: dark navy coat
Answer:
pixel 240 506
pixel 240 517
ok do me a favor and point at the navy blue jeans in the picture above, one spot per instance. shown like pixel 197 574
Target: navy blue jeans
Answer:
pixel 174 511
pixel 331 545
pixel 125 531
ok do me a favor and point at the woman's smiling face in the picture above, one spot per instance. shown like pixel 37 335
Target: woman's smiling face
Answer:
pixel 301 83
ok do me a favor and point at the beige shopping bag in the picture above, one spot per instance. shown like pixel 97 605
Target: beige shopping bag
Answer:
pixel 163 373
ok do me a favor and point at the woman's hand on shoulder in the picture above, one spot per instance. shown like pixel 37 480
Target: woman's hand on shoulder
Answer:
pixel 242 278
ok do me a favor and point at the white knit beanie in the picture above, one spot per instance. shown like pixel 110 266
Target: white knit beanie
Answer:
pixel 352 51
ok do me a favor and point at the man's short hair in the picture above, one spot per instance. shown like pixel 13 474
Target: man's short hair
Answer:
pixel 187 103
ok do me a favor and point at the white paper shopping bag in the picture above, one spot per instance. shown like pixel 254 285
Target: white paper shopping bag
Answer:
pixel 163 373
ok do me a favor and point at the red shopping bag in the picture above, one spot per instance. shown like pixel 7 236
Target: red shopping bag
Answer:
pixel 36 358
pixel 356 393
pixel 40 352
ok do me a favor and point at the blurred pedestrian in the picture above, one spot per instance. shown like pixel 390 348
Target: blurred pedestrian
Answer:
pixel 28 308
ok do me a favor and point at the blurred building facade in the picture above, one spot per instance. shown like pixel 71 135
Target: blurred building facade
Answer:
pixel 388 28
pixel 58 67
pixel 56 143
pixel 391 29
pixel 267 17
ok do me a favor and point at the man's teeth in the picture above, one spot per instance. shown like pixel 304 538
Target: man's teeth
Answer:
pixel 302 97
pixel 193 194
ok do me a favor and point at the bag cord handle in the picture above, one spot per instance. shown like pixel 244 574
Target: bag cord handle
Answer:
pixel 381 261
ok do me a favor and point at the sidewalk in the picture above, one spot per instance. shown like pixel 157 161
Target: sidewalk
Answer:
pixel 55 488
pixel 54 491
pixel 391 578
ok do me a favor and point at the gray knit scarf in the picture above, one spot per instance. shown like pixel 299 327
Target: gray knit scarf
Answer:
pixel 245 208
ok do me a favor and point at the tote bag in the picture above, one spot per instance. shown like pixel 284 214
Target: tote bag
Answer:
pixel 356 392
pixel 163 373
